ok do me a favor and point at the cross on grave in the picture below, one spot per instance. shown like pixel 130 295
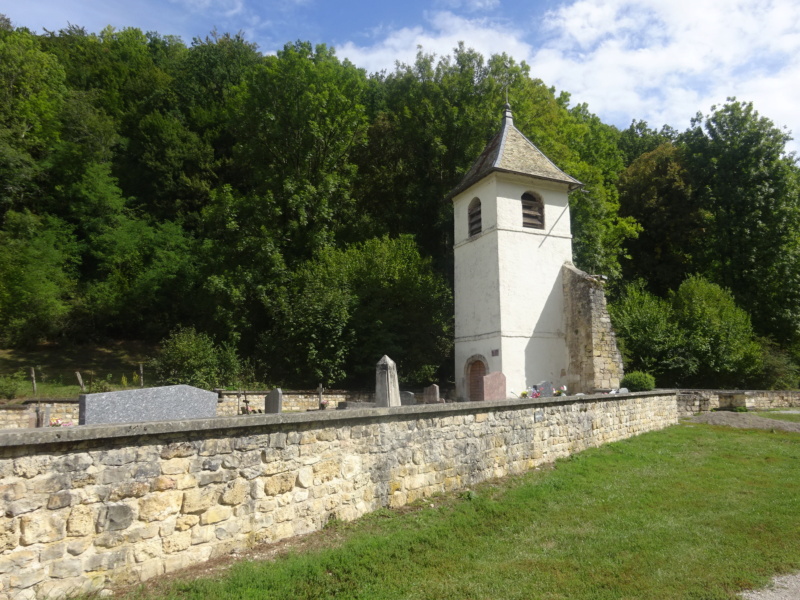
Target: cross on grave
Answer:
pixel 320 389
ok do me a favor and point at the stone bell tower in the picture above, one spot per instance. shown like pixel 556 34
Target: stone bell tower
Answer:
pixel 512 239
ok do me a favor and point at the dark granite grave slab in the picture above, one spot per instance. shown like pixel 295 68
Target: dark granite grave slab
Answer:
pixel 168 403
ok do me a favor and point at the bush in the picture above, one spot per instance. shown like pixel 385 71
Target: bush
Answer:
pixel 638 381
pixel 719 334
pixel 11 384
pixel 648 337
pixel 189 357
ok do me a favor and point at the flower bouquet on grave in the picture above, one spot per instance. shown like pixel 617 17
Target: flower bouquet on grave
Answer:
pixel 562 391
pixel 323 404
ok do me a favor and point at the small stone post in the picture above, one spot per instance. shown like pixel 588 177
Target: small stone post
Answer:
pixel 273 403
pixel 320 389
pixel 431 394
pixel 33 380
pixel 80 381
pixel 387 387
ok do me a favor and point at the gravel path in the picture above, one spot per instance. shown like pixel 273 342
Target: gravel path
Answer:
pixel 784 587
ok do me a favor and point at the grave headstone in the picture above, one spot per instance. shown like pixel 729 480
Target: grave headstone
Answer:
pixel 494 386
pixel 408 399
pixel 273 403
pixel 168 403
pixel 624 391
pixel 387 387
pixel 545 389
pixel 431 394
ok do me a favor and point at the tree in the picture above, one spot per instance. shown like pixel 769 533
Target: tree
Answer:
pixel 345 309
pixel 750 189
pixel 655 191
pixel 719 334
pixel 38 256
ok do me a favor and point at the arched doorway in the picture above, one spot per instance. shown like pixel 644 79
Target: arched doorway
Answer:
pixel 476 371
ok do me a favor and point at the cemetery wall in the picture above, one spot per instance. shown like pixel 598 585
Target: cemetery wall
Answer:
pixel 695 401
pixel 90 507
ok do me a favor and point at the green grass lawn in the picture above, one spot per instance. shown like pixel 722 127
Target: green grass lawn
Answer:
pixel 780 416
pixel 56 365
pixel 689 512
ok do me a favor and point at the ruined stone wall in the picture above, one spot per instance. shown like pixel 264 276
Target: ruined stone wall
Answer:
pixel 88 507
pixel 595 362
pixel 25 415
pixel 695 401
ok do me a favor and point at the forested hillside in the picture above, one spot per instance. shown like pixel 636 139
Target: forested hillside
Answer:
pixel 291 207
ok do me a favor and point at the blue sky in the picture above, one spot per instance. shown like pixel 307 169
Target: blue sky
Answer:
pixel 657 60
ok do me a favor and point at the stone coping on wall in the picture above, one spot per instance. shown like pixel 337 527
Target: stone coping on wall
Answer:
pixel 57 435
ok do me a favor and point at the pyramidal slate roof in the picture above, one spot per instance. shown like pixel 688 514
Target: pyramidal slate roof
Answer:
pixel 511 152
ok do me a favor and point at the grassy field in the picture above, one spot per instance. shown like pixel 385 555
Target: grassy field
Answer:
pixel 690 512
pixel 56 365
pixel 780 416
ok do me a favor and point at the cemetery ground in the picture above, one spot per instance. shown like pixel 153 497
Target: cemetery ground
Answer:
pixel 693 511
pixel 103 365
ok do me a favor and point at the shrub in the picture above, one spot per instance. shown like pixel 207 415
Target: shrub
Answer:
pixel 719 334
pixel 11 384
pixel 190 357
pixel 638 381
pixel 649 340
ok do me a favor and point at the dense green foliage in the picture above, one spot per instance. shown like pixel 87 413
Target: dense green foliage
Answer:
pixel 191 358
pixel 147 184
pixel 697 337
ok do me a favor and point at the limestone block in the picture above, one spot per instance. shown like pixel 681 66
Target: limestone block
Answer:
pixel 16 561
pixel 280 484
pixel 163 482
pixel 80 521
pixel 215 514
pixel 20 507
pixel 40 528
pixel 177 542
pixel 130 489
pixel 198 500
pixel 305 477
pixel 151 568
pixel 27 578
pixel 227 530
pixel 66 568
pixel 159 506
pixel 78 547
pixel 325 471
pixel 178 450
pixel 10 491
pixel 175 466
pixel 114 517
pixel 30 466
pixel 106 560
pixel 351 466
pixel 236 492
pixel 185 522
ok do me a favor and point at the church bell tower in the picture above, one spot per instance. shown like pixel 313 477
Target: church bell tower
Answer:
pixel 512 238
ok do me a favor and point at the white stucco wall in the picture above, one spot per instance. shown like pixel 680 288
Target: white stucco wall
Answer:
pixel 508 289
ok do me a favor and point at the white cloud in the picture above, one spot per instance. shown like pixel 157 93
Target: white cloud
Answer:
pixel 657 60
pixel 445 30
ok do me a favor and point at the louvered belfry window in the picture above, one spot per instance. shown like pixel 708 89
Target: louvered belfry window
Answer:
pixel 474 217
pixel 532 211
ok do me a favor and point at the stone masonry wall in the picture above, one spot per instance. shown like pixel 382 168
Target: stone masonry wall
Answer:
pixel 595 362
pixel 695 401
pixel 85 508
